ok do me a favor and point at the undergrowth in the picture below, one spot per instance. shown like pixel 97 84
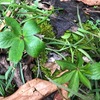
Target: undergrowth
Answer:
pixel 82 46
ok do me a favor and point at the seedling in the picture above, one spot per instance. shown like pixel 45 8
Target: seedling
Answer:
pixel 19 40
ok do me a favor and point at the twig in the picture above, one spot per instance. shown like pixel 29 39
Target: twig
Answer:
pixel 89 10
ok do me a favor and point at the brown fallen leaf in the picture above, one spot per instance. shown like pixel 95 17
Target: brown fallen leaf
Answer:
pixel 52 66
pixel 91 2
pixel 35 89
pixel 62 94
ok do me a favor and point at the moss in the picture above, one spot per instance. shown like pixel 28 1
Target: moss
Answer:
pixel 91 27
pixel 44 56
pixel 47 30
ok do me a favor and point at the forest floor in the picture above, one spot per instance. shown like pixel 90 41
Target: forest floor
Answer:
pixel 67 16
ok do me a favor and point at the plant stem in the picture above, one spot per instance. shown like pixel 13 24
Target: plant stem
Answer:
pixel 21 73
pixel 56 52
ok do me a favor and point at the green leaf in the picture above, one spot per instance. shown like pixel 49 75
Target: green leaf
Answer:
pixel 65 65
pixel 66 35
pixel 82 97
pixel 75 37
pixel 14 25
pixel 6 39
pixel 2 77
pixel 79 33
pixel 10 80
pixel 33 45
pixel 5 1
pixel 86 47
pixel 79 59
pixel 2 91
pixel 64 78
pixel 95 71
pixel 30 28
pixel 85 53
pixel 86 69
pixel 84 80
pixel 8 72
pixel 74 83
pixel 16 51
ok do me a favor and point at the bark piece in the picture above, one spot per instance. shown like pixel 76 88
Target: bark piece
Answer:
pixel 91 2
pixel 35 89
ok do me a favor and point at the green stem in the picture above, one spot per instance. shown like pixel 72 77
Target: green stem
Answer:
pixel 39 69
pixel 21 73
pixel 56 52
pixel 97 93
pixel 78 15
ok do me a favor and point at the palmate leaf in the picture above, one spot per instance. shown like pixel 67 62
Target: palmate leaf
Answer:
pixel 14 25
pixel 30 28
pixel 6 39
pixel 33 45
pixel 95 71
pixel 84 80
pixel 65 65
pixel 64 78
pixel 16 51
pixel 74 83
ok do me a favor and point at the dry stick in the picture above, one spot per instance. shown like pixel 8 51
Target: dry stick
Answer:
pixel 3 22
pixel 93 11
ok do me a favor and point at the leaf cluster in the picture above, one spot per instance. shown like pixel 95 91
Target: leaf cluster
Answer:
pixel 19 39
pixel 76 74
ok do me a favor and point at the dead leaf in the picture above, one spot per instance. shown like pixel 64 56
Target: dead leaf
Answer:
pixel 52 66
pixel 91 2
pixel 35 89
pixel 62 94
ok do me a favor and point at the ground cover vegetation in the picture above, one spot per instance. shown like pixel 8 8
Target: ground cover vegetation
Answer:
pixel 27 32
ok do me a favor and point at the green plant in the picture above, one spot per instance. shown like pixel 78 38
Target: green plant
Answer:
pixel 6 85
pixel 5 2
pixel 3 90
pixel 33 10
pixel 73 42
pixel 84 42
pixel 81 96
pixel 76 73
pixel 18 39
